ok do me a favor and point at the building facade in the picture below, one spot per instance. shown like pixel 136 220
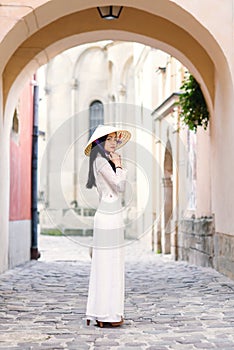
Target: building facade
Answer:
pixel 198 34
pixel 117 83
pixel 83 87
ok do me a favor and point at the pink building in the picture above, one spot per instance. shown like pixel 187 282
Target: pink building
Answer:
pixel 20 179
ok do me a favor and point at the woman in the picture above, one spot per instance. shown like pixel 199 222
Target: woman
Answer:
pixel 106 286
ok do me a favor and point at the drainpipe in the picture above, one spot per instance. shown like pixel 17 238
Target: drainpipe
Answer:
pixel 35 254
pixel 177 186
pixel 154 190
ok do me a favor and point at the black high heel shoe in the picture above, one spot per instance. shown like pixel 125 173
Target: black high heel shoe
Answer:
pixel 100 324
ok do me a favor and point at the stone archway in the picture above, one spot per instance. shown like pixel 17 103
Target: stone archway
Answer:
pixel 85 25
pixel 32 34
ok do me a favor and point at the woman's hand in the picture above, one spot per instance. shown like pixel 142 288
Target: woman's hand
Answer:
pixel 116 159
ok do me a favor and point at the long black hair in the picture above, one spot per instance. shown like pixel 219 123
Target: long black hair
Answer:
pixel 97 147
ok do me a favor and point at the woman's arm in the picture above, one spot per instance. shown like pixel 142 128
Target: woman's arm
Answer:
pixel 116 180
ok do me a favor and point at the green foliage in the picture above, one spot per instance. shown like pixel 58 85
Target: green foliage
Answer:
pixel 194 111
pixel 51 232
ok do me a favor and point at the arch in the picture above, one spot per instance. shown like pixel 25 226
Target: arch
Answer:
pixel 126 68
pixel 39 47
pixel 83 55
pixel 96 115
pixel 32 35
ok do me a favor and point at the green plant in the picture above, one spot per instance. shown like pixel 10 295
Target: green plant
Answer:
pixel 193 108
pixel 51 232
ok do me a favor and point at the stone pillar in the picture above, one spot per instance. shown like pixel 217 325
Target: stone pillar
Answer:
pixel 168 202
pixel 159 239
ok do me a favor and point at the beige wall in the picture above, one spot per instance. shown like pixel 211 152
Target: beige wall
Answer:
pixel 204 176
pixel 222 158
pixel 19 242
pixel 31 34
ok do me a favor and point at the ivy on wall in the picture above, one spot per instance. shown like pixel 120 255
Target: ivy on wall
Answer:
pixel 193 108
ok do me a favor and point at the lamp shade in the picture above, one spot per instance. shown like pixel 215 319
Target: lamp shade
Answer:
pixel 110 12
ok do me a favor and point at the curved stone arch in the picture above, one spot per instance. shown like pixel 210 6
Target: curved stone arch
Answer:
pixel 58 47
pixel 36 47
pixel 78 79
pixel 28 19
pixel 204 56
pixel 82 56
pixel 126 68
pixel 32 20
pixel 25 45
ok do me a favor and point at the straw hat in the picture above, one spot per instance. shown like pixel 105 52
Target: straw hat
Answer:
pixel 122 136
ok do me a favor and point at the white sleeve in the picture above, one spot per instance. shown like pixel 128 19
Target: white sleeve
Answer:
pixel 117 181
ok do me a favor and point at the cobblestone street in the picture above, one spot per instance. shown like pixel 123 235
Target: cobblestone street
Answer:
pixel 168 305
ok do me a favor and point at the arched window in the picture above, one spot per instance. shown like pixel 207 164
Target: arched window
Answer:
pixel 15 122
pixel 96 115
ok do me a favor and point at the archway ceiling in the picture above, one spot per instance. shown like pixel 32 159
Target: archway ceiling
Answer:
pixel 134 21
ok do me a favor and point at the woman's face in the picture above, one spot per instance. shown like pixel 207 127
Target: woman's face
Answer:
pixel 111 142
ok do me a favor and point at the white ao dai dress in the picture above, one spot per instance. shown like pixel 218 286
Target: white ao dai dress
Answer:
pixel 106 285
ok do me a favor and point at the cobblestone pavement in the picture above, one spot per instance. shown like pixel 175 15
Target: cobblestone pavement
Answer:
pixel 168 305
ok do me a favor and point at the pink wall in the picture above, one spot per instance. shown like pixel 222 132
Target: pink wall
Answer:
pixel 20 160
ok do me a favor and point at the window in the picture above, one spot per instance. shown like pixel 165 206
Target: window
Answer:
pixel 15 122
pixel 15 128
pixel 96 115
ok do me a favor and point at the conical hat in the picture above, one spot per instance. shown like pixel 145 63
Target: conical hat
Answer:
pixel 122 136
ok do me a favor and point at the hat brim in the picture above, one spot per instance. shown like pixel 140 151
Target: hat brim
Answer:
pixel 123 136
